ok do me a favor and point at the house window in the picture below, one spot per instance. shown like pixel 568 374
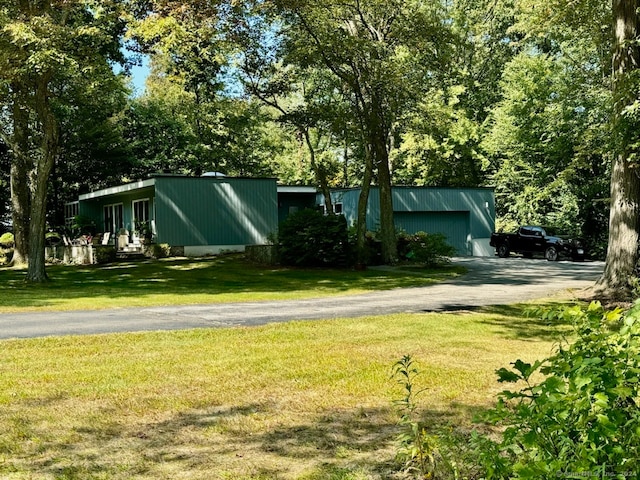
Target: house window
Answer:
pixel 140 211
pixel 337 208
pixel 71 210
pixel 113 218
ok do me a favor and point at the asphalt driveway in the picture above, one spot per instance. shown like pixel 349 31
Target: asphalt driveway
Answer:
pixel 490 281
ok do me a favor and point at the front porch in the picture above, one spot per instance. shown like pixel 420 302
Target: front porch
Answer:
pixel 102 248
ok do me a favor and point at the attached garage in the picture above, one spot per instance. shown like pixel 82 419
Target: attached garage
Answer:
pixel 466 216
pixel 455 226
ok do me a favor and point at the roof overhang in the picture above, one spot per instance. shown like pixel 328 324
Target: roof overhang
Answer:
pixel 296 189
pixel 119 189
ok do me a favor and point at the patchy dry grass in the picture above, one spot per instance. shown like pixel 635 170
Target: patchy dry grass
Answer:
pixel 303 400
pixel 190 281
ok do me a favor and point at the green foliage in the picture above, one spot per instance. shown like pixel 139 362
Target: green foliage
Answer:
pixel 582 417
pixel 104 254
pixel 309 238
pixel 548 140
pixel 7 240
pixel 372 254
pixel 430 249
pixel 416 448
pixel 6 255
pixel 52 238
pixel 144 230
pixel 83 225
pixel 159 135
pixel 440 146
pixel 55 58
pixel 160 250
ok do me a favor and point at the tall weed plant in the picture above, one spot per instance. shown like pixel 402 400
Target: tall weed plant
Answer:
pixel 577 413
pixel 416 448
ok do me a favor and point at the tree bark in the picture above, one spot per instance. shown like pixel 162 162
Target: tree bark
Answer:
pixel 387 225
pixel 363 203
pixel 320 173
pixel 20 167
pixel 624 224
pixel 36 272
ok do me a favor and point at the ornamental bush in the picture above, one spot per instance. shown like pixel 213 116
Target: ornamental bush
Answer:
pixel 430 249
pixel 6 255
pixel 105 254
pixel 6 240
pixel 159 250
pixel 583 417
pixel 310 239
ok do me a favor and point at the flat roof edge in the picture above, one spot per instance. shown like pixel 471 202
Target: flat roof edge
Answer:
pixel 296 189
pixel 128 187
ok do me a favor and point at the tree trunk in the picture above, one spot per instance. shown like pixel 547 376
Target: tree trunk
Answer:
pixel 363 203
pixel 20 180
pixel 320 173
pixel 622 253
pixel 36 272
pixel 387 225
pixel 345 162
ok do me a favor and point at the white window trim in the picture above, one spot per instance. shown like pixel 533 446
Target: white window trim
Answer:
pixel 113 218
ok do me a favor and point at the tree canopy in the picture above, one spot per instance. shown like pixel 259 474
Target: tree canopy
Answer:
pixel 54 56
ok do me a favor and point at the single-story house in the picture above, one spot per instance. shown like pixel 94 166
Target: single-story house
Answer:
pixel 209 214
pixel 202 215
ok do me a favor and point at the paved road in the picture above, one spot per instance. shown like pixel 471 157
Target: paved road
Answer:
pixel 490 281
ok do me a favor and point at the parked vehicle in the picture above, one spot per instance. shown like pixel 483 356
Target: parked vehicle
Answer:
pixel 531 240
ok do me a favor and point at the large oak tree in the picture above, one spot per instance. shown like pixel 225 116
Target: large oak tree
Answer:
pixel 49 51
pixel 386 55
pixel 624 223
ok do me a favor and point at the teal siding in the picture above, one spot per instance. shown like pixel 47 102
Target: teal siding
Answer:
pixel 215 211
pixel 478 203
pixel 461 214
pixel 191 211
pixel 455 226
pixel 94 208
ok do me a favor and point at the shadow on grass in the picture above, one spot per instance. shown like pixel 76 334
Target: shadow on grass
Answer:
pixel 517 321
pixel 211 276
pixel 334 444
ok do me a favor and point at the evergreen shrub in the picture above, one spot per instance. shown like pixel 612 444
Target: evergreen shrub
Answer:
pixel 310 239
pixel 105 254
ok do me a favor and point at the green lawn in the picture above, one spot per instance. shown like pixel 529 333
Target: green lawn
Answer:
pixel 187 281
pixel 302 400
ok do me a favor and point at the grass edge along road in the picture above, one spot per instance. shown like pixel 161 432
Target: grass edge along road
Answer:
pixel 302 400
pixel 182 281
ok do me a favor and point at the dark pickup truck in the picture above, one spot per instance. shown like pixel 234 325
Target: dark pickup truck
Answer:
pixel 530 240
